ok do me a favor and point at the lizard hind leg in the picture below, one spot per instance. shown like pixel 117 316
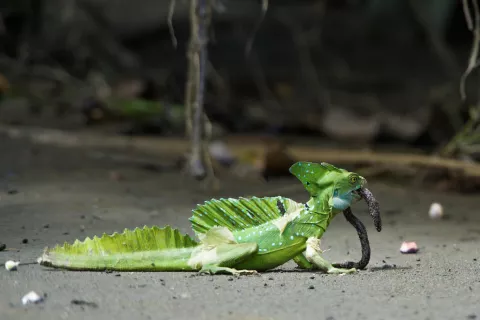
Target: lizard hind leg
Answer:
pixel 314 255
pixel 220 253
pixel 224 257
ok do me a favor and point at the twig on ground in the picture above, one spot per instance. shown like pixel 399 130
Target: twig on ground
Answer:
pixel 174 148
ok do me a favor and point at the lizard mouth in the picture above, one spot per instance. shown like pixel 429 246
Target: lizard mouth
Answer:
pixel 373 207
pixel 357 194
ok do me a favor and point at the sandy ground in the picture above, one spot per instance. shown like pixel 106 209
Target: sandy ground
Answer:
pixel 50 195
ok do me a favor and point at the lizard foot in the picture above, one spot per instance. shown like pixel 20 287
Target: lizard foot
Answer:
pixel 246 272
pixel 224 270
pixel 334 270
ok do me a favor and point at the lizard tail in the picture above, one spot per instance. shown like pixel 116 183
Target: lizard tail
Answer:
pixel 147 249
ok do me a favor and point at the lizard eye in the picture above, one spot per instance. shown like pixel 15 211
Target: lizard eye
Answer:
pixel 353 179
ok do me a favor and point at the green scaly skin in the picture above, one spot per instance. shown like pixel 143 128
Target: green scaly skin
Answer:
pixel 237 236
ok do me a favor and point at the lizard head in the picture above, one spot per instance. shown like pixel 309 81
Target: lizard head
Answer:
pixel 346 190
pixel 317 178
pixel 338 186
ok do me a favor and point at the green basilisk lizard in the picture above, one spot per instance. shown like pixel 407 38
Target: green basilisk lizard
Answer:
pixel 236 236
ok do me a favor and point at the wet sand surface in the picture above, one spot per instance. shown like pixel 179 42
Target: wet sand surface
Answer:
pixel 50 195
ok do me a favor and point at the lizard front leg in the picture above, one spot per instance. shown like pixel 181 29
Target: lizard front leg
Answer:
pixel 302 262
pixel 314 255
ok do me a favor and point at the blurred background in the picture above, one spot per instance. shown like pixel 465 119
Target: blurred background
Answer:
pixel 381 75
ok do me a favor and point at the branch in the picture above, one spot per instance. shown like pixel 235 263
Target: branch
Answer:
pixel 171 147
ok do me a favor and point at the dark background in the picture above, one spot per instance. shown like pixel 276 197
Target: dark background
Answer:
pixel 368 72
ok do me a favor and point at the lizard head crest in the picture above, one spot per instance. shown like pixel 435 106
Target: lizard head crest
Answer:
pixel 316 177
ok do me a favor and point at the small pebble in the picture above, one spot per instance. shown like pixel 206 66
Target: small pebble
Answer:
pixel 311 287
pixel 435 211
pixel 408 247
pixel 25 241
pixel 11 265
pixel 31 297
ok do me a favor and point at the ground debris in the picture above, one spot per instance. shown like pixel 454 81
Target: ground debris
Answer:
pixel 84 303
pixel 32 297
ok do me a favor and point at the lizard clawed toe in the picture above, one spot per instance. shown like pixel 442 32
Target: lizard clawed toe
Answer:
pixel 247 272
pixel 341 271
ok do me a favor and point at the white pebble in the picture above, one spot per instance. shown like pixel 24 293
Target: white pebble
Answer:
pixel 436 211
pixel 31 297
pixel 11 265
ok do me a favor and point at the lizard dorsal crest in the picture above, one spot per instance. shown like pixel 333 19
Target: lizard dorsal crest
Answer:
pixel 313 175
pixel 239 214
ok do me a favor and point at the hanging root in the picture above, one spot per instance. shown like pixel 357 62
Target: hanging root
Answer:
pixel 171 11
pixel 198 126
